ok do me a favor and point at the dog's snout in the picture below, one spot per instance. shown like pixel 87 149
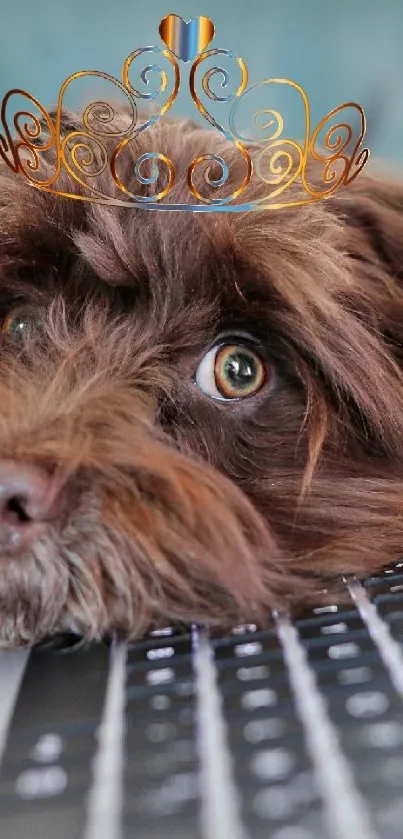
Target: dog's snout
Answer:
pixel 29 497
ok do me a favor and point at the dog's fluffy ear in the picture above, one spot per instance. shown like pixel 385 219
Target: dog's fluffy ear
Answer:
pixel 373 234
pixel 371 238
pixel 372 210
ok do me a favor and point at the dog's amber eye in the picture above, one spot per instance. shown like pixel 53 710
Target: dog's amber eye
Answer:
pixel 231 371
pixel 20 323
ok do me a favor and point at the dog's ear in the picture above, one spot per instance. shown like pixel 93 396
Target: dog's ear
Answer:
pixel 372 209
pixel 371 235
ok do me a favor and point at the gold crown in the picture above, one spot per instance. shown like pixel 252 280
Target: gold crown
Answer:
pixel 274 160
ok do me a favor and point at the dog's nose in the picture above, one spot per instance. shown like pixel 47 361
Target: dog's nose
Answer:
pixel 29 498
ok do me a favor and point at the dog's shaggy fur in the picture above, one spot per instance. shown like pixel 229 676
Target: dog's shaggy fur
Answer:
pixel 177 506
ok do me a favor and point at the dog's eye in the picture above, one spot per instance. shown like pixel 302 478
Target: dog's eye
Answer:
pixel 231 371
pixel 20 323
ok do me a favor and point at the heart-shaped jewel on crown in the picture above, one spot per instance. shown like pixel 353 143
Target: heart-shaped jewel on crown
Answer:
pixel 186 38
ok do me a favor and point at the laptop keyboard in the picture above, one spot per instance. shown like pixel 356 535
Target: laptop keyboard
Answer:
pixel 47 761
pixel 295 732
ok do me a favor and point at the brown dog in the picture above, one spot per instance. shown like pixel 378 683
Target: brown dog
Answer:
pixel 201 416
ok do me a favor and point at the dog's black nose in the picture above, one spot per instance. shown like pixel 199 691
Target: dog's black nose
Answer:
pixel 28 499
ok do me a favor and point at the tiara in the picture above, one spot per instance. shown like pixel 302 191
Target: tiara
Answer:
pixel 275 161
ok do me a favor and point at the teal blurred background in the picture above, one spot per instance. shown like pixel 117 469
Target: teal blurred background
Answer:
pixel 349 50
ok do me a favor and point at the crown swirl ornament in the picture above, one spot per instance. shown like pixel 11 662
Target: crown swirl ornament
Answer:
pixel 42 148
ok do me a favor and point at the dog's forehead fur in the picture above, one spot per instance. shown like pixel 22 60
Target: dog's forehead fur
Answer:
pixel 198 253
